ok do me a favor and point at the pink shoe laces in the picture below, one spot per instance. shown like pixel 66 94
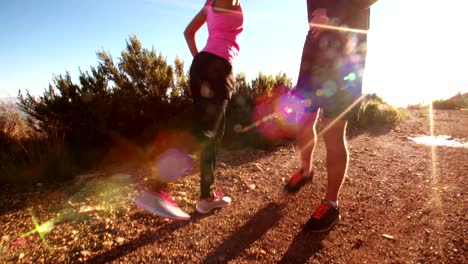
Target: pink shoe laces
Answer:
pixel 166 196
pixel 218 194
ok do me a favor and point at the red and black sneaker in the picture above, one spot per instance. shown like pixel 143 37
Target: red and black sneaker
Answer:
pixel 298 180
pixel 324 218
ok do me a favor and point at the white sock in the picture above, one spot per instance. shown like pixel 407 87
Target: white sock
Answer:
pixel 333 204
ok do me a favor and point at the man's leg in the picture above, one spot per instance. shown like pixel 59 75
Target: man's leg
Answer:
pixel 306 140
pixel 337 155
pixel 327 214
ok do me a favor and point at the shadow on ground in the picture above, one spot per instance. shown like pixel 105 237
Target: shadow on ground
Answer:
pixel 241 239
pixel 305 245
pixel 163 233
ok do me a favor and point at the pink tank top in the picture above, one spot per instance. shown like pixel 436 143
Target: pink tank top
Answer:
pixel 223 32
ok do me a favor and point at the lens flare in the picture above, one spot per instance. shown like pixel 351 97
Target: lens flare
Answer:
pixel 344 29
pixel 350 77
pixel 112 195
pixel 275 114
pixel 109 195
pixel 40 229
pixel 174 164
pixel 20 241
pixel 329 89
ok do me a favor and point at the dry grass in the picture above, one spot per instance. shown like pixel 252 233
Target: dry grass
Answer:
pixel 28 156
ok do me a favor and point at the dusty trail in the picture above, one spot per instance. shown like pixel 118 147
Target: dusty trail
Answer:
pixel 402 203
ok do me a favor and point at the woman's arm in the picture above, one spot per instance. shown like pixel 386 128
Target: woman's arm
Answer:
pixel 192 28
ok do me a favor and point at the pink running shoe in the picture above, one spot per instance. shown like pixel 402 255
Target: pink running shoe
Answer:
pixel 162 204
pixel 217 200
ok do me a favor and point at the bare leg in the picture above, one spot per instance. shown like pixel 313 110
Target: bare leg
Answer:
pixel 306 139
pixel 337 156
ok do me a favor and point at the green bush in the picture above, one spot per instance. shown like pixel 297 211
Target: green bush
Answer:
pixel 112 100
pixel 374 112
pixel 265 90
pixel 457 102
pixel 460 101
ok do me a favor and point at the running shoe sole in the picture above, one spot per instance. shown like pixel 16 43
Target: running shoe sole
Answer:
pixel 221 205
pixel 201 211
pixel 333 224
pixel 151 209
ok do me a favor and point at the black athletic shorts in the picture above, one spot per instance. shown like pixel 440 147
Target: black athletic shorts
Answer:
pixel 211 77
pixel 331 71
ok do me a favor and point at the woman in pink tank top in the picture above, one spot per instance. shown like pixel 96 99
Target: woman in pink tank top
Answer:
pixel 211 85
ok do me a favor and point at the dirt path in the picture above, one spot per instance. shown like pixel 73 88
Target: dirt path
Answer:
pixel 402 203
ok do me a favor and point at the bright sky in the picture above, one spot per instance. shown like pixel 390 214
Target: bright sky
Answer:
pixel 417 48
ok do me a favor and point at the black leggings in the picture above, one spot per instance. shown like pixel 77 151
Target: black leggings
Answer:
pixel 211 85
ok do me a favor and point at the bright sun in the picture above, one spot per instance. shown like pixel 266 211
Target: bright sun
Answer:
pixel 417 52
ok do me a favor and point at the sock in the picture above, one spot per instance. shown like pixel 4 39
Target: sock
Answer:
pixel 332 204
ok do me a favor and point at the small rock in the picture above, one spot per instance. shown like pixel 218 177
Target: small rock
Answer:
pixel 182 202
pixel 222 165
pixel 85 253
pixel 358 244
pixel 257 167
pixel 21 256
pixel 252 186
pixel 107 243
pixel 389 236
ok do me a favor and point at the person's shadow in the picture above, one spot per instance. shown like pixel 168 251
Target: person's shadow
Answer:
pixel 305 245
pixel 147 238
pixel 255 228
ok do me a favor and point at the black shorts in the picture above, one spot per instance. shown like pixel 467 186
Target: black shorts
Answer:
pixel 211 77
pixel 330 76
pixel 211 85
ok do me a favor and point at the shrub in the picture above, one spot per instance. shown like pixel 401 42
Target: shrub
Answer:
pixel 251 102
pixel 460 101
pixel 113 99
pixel 28 156
pixel 374 112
